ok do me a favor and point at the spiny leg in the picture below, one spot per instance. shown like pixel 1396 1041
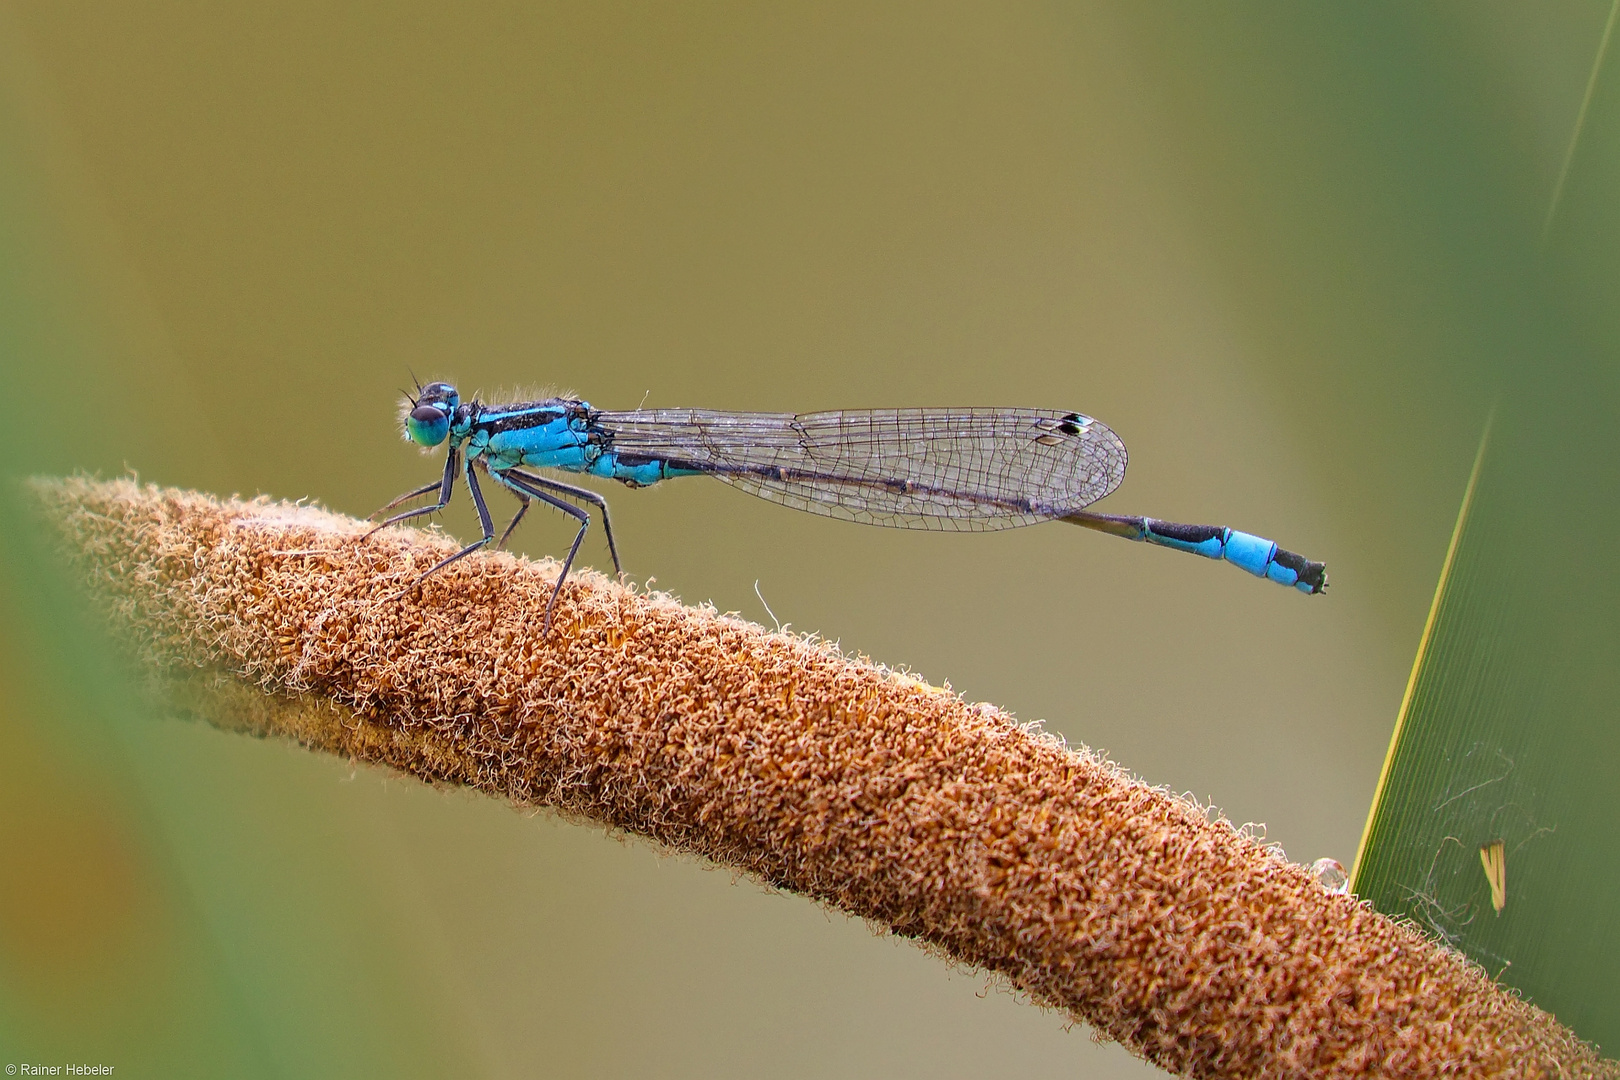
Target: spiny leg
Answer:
pixel 579 493
pixel 524 502
pixel 525 491
pixel 446 486
pixel 484 520
pixel 407 497
pixel 523 508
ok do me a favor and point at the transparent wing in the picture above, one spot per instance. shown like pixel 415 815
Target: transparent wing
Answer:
pixel 952 469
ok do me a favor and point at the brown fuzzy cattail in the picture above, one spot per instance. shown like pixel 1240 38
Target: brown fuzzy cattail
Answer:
pixel 1126 906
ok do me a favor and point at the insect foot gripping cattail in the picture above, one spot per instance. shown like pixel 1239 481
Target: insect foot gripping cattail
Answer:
pixel 1091 891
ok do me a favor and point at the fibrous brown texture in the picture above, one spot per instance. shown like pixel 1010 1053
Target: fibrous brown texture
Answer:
pixel 1126 906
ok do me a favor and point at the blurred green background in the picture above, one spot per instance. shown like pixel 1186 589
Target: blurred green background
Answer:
pixel 1292 255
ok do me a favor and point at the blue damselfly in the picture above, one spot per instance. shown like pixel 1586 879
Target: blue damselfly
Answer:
pixel 950 469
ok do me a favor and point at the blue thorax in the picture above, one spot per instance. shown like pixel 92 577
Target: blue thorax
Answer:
pixel 558 433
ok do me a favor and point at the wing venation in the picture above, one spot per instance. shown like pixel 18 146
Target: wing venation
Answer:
pixel 950 469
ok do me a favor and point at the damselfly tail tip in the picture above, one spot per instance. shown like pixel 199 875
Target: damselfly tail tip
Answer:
pixel 1289 568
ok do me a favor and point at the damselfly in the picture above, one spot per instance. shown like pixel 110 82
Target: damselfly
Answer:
pixel 952 469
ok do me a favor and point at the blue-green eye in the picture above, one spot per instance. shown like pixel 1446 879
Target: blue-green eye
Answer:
pixel 428 425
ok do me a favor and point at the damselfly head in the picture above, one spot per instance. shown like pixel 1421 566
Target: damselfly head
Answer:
pixel 428 421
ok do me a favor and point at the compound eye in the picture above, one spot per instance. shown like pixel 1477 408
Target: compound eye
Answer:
pixel 427 425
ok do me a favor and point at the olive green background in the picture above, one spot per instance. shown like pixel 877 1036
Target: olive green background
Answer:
pixel 1285 253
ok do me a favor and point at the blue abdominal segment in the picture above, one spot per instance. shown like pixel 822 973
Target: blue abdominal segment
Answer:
pixel 1206 540
pixel 1259 556
pixel 637 472
pixel 1250 552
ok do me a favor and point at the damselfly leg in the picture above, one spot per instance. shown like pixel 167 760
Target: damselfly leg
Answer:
pixel 570 490
pixel 484 520
pixel 446 487
pixel 527 486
